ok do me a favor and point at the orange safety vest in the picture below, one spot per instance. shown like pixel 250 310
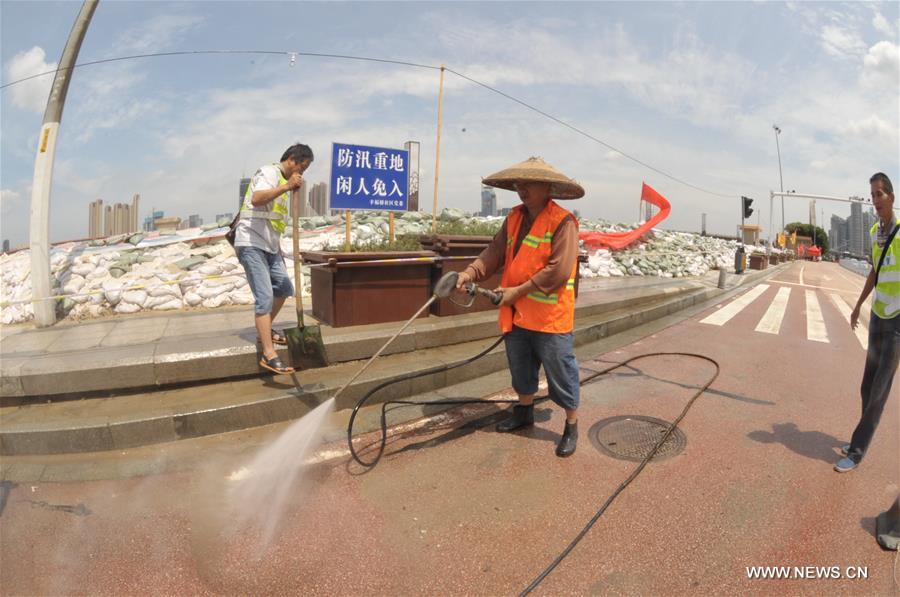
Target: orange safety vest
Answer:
pixel 555 312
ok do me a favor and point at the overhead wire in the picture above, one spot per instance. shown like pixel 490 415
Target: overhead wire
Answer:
pixel 522 103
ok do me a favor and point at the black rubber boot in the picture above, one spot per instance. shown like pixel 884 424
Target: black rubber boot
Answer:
pixel 522 416
pixel 566 446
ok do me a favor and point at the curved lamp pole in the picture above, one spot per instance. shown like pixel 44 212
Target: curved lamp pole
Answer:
pixel 39 237
pixel 780 180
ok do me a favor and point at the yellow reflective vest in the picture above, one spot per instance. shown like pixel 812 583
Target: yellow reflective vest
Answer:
pixel 279 214
pixel 886 303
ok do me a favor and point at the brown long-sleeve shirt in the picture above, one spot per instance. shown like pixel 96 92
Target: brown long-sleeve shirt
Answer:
pixel 563 254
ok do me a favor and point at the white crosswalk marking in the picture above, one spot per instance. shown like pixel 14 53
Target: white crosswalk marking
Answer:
pixel 815 324
pixel 771 321
pixel 861 332
pixel 724 314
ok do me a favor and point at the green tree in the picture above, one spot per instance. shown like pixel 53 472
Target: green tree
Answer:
pixel 807 230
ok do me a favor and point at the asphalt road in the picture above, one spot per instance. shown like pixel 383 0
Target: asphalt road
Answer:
pixel 455 508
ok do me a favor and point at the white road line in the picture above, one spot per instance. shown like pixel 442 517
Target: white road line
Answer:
pixel 802 267
pixel 771 321
pixel 724 314
pixel 815 325
pixel 862 334
pixel 809 286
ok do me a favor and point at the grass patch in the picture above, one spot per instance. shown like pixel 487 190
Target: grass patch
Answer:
pixel 471 228
pixel 380 245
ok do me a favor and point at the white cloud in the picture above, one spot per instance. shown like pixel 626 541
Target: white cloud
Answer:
pixel 871 126
pixel 840 41
pixel 30 95
pixel 882 65
pixel 882 24
pixel 157 33
pixel 8 196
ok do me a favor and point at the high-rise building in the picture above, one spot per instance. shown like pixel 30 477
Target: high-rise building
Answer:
pixel 857 231
pixel 318 199
pixel 869 219
pixel 95 219
pixel 194 221
pixel 412 170
pixel 839 235
pixel 149 224
pixel 226 218
pixel 245 182
pixel 488 201
pixel 133 225
pixel 6 245
pixel 167 225
pixel 304 202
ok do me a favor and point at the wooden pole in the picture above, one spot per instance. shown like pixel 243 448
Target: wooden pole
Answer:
pixel 437 153
pixel 347 237
pixel 391 228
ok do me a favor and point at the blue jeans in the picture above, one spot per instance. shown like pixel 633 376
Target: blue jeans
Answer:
pixel 527 350
pixel 266 275
pixel 881 365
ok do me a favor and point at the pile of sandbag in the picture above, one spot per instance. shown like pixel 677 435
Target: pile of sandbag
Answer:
pixel 132 274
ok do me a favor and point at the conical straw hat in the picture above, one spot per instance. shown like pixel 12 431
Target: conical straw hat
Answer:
pixel 536 170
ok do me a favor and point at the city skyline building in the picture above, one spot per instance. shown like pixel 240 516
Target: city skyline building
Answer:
pixel 839 235
pixel 134 225
pixel 95 219
pixel 318 199
pixel 120 218
pixel 851 234
pixel 413 148
pixel 149 225
pixel 488 201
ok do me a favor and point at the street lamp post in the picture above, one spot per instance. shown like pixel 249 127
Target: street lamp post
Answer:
pixel 780 179
pixel 39 238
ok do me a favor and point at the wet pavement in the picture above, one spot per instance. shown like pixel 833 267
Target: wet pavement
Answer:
pixel 455 508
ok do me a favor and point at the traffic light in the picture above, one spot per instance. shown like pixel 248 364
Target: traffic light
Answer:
pixel 747 210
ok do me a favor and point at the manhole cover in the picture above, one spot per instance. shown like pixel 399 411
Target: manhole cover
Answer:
pixel 632 437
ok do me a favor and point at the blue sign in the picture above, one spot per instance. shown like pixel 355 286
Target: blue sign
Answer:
pixel 372 178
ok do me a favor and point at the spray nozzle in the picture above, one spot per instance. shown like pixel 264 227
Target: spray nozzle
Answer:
pixel 446 287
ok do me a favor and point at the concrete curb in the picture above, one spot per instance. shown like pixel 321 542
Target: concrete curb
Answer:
pixel 170 361
pixel 84 431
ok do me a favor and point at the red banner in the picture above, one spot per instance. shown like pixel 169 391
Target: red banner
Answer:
pixel 619 240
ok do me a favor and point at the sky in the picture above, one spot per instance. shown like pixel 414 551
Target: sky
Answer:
pixel 682 96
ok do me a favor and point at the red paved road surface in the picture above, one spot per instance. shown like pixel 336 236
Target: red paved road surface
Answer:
pixel 454 510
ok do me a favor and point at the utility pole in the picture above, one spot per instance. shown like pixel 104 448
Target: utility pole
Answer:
pixel 780 179
pixel 39 238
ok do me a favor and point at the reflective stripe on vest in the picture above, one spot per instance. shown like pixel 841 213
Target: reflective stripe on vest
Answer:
pixel 279 213
pixel 552 312
pixel 886 303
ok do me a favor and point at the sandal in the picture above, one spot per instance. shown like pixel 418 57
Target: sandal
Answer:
pixel 278 338
pixel 275 365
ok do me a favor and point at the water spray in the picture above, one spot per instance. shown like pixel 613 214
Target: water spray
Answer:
pixel 444 288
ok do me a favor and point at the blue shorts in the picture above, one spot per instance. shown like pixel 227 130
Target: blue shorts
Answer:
pixel 527 351
pixel 266 275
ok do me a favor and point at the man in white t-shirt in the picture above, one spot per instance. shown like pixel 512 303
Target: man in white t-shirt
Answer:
pixel 257 242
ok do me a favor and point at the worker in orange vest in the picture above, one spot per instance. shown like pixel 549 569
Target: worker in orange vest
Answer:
pixel 537 247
